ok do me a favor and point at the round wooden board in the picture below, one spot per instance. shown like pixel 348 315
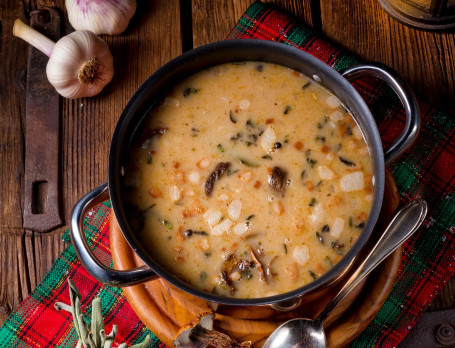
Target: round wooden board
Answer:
pixel 165 309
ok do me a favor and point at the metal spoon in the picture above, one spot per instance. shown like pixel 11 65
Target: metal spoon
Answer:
pixel 310 333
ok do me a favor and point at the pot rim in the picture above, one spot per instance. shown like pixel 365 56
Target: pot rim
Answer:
pixel 125 129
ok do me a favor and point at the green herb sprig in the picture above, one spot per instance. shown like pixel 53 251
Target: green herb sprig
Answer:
pixel 95 337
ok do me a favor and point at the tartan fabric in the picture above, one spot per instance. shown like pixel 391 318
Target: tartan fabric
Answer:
pixel 427 170
pixel 36 323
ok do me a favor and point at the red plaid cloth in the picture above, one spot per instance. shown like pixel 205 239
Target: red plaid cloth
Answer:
pixel 427 170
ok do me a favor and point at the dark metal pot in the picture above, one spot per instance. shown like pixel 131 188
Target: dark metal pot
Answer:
pixel 155 88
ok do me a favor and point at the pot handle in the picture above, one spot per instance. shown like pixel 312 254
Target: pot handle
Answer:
pixel 103 274
pixel 406 96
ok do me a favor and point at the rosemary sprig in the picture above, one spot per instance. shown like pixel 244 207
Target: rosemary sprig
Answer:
pixel 95 337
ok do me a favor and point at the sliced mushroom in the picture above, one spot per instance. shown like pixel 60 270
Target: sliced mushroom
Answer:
pixel 184 337
pixel 199 333
pixel 149 134
pixel 277 179
pixel 258 265
pixel 218 172
pixel 268 268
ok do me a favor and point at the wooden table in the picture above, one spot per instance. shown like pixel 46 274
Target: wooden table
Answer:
pixel 161 30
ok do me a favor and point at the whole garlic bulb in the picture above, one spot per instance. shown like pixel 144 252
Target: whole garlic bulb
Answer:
pixel 100 16
pixel 80 64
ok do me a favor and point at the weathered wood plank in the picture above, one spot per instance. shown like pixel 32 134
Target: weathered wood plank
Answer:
pixel 213 19
pixel 87 124
pixel 425 59
pixel 12 108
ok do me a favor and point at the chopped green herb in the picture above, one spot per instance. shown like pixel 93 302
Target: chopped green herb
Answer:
pixel 149 159
pixel 329 261
pixel 347 162
pixel 351 224
pixel 312 274
pixel 230 172
pixel 302 174
pixel 338 147
pixel 250 217
pixel 232 117
pixel 349 131
pixel 306 85
pixel 167 224
pixel 267 157
pixel 236 137
pixel 201 233
pixel 207 254
pixel 220 148
pixel 189 90
pixel 202 276
pixel 320 138
pixel 253 137
pixel 325 228
pixel 260 67
pixel 311 161
pixel 239 63
pixel 312 202
pixel 285 248
pixel 248 274
pixel 319 125
pixel 214 291
pixel 308 152
pixel 248 143
pixel 319 237
pixel 287 109
pixel 248 163
pixel 194 132
pixel 250 123
pixel 286 139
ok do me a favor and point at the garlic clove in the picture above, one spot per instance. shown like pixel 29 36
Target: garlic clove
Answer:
pixel 80 65
pixel 101 17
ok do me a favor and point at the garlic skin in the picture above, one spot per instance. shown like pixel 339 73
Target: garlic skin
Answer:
pixel 80 65
pixel 100 16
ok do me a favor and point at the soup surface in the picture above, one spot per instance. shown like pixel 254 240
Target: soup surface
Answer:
pixel 249 180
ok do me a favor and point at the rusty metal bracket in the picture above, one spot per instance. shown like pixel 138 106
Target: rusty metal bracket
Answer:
pixel 41 201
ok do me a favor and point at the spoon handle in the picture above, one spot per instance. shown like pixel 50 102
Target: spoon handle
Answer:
pixel 403 225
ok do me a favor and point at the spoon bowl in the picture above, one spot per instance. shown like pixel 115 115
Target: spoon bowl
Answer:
pixel 310 333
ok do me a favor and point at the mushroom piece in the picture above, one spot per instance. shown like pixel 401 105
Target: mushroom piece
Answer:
pixel 199 333
pixel 258 265
pixel 228 267
pixel 149 134
pixel 217 173
pixel 277 179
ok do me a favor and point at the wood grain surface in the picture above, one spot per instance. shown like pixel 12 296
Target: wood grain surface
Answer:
pixel 159 31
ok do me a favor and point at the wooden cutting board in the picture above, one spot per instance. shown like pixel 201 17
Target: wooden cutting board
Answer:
pixel 164 309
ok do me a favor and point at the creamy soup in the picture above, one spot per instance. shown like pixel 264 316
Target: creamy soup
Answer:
pixel 249 180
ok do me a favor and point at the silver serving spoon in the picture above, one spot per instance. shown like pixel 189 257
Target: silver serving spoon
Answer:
pixel 309 333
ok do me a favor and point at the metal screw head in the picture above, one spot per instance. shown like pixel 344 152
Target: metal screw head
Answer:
pixel 445 334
